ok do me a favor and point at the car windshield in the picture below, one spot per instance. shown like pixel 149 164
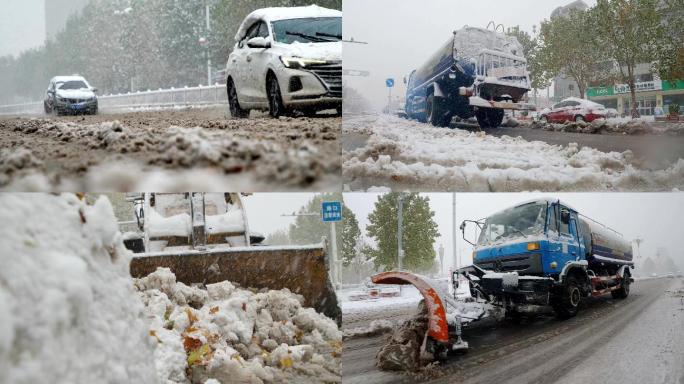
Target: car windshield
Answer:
pixel 307 30
pixel 522 221
pixel 73 84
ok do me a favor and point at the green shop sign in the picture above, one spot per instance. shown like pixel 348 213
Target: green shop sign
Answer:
pixel 600 91
pixel 669 85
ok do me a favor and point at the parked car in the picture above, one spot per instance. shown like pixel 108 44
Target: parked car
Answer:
pixel 70 94
pixel 286 59
pixel 574 109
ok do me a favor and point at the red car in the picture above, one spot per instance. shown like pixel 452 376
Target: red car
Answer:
pixel 574 109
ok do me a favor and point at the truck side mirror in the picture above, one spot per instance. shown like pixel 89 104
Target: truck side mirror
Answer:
pixel 463 229
pixel 405 80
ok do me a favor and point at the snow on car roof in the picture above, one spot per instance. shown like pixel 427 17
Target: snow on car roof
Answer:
pixel 583 101
pixel 284 13
pixel 62 79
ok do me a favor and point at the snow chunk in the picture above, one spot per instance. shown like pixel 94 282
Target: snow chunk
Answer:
pixel 232 334
pixel 68 312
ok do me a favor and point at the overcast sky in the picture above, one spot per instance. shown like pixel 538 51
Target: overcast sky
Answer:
pixel 401 35
pixel 655 217
pixel 22 25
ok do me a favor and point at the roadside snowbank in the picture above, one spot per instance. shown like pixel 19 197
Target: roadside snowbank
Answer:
pixel 406 153
pixel 615 126
pixel 68 311
pixel 235 335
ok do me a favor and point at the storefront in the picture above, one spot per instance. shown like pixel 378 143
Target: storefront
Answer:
pixel 649 94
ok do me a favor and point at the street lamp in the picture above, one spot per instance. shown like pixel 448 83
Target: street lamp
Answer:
pixel 638 242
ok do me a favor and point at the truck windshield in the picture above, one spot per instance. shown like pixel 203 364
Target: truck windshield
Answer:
pixel 518 222
pixel 308 30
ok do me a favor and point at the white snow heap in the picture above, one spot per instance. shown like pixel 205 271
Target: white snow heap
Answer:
pixel 235 335
pixel 283 13
pixel 176 225
pixel 409 153
pixel 68 311
pixel 229 222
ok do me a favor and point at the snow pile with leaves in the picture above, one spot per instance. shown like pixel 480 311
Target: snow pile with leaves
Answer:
pixel 404 154
pixel 236 335
pixel 68 310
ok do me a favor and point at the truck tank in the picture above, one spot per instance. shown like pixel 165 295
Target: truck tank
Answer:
pixel 603 245
pixel 468 43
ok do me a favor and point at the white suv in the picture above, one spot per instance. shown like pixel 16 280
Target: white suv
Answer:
pixel 286 59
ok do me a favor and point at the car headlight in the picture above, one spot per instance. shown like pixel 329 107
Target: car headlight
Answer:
pixel 298 62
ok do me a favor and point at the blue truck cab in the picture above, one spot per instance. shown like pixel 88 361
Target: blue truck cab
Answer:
pixel 544 252
pixel 477 72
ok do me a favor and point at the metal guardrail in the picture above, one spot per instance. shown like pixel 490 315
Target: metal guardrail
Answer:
pixel 200 95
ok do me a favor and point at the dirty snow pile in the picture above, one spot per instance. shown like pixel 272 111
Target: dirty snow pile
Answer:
pixel 403 154
pixel 376 327
pixel 68 310
pixel 624 126
pixel 236 335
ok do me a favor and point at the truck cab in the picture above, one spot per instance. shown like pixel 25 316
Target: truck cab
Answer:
pixel 536 238
pixel 544 252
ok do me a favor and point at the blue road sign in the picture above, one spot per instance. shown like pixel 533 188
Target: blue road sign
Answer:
pixel 389 83
pixel 331 211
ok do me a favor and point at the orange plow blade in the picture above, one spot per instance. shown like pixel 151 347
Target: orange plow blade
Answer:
pixel 438 328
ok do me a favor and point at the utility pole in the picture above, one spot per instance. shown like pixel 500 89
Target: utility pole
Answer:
pixel 208 14
pixel 400 249
pixel 453 224
pixel 336 267
pixel 440 251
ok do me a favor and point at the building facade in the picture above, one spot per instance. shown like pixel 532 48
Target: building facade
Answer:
pixel 654 95
pixel 57 12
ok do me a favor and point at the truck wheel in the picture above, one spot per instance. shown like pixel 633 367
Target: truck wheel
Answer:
pixel 435 111
pixel 46 108
pixel 623 292
pixel 234 105
pixel 513 317
pixel 275 98
pixel 489 117
pixel 567 300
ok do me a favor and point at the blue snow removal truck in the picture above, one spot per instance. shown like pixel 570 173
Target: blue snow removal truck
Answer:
pixel 545 253
pixel 478 72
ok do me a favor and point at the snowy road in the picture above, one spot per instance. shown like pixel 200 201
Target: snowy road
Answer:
pixel 637 340
pixel 384 151
pixel 191 149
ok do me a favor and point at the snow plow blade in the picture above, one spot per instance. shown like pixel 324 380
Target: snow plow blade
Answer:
pixel 438 328
pixel 302 270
